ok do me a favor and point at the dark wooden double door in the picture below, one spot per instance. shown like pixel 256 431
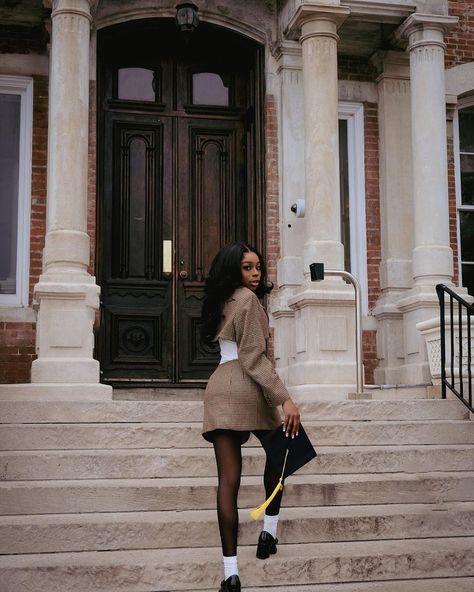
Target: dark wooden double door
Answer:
pixel 178 181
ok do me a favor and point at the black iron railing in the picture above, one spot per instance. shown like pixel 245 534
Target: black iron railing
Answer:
pixel 457 374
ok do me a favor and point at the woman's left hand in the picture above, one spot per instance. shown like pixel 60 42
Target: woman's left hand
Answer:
pixel 292 418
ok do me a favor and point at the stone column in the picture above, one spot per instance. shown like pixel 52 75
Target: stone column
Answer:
pixel 396 183
pixel 324 327
pixel 432 258
pixel 66 293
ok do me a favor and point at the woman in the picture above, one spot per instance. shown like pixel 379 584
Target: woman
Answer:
pixel 244 392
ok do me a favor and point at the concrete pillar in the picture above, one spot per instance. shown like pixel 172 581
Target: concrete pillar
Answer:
pixel 396 182
pixel 432 258
pixel 66 293
pixel 324 313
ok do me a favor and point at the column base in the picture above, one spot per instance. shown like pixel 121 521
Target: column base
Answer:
pixel 421 305
pixel 65 329
pixel 324 359
pixel 305 393
pixel 55 392
pixel 65 370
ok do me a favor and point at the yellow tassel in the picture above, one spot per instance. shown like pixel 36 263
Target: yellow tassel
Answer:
pixel 258 511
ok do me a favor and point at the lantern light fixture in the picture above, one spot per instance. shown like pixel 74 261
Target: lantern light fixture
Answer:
pixel 187 18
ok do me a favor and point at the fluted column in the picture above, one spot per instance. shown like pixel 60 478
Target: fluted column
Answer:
pixel 67 294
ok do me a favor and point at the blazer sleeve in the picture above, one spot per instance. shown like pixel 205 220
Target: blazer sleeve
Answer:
pixel 252 347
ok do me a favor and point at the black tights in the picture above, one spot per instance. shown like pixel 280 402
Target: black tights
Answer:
pixel 227 448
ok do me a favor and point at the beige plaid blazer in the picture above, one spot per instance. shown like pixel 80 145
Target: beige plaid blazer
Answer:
pixel 244 394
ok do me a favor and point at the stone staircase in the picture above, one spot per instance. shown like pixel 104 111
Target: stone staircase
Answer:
pixel 119 496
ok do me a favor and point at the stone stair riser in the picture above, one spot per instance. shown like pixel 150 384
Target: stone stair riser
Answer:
pixel 114 532
pixel 432 585
pixel 185 463
pixel 191 411
pixel 114 436
pixel 139 571
pixel 87 496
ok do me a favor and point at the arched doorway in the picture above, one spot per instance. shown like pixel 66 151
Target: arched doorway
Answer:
pixel 180 173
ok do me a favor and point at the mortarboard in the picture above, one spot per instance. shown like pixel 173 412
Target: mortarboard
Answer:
pixel 287 455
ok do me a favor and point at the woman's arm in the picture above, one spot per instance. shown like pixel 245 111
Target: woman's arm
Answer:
pixel 251 345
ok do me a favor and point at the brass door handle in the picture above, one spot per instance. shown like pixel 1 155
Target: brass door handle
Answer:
pixel 183 274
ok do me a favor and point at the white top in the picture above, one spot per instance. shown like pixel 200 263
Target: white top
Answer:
pixel 228 350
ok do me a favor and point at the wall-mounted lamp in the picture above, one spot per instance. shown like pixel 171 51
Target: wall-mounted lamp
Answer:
pixel 187 18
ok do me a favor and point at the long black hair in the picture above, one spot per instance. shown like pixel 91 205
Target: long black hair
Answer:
pixel 225 276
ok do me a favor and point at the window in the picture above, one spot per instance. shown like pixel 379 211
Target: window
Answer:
pixel 352 184
pixel 464 160
pixel 16 107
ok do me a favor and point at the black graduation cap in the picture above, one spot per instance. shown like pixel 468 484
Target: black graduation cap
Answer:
pixel 287 455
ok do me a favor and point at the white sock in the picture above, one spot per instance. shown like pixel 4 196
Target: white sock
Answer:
pixel 270 524
pixel 230 567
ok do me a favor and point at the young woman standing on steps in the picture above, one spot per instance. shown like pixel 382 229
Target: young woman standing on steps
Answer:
pixel 244 392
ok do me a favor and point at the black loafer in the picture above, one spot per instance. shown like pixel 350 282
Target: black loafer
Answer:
pixel 232 584
pixel 267 545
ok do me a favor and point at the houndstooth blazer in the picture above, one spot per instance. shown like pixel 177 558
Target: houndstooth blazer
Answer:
pixel 244 394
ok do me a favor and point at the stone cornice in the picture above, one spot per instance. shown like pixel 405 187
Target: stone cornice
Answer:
pixel 314 12
pixel 379 12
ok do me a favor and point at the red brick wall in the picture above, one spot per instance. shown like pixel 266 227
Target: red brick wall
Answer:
pixel 17 351
pixel 460 40
pixel 271 189
pixel 38 179
pixel 372 214
pixel 92 179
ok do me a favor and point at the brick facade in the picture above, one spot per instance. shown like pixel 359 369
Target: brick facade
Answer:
pixel 373 229
pixel 272 229
pixel 17 338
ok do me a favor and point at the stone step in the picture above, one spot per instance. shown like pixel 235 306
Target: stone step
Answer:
pixel 430 585
pixel 152 463
pixel 130 495
pixel 191 411
pixel 67 436
pixel 155 530
pixel 198 569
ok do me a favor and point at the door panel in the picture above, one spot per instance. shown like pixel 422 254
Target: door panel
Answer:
pixel 136 294
pixel 210 214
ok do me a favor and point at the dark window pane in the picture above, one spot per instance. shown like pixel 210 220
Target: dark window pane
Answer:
pixel 9 161
pixel 137 207
pixel 467 236
pixel 468 278
pixel 209 89
pixel 136 84
pixel 467 179
pixel 344 189
pixel 466 129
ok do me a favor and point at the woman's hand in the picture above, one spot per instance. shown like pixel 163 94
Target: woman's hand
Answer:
pixel 292 418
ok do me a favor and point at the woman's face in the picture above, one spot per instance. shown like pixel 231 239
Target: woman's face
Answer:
pixel 250 268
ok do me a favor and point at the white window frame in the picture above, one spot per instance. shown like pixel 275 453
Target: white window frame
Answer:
pixel 469 102
pixel 23 86
pixel 353 113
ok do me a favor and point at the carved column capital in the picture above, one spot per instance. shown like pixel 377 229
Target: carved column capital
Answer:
pixel 71 7
pixel 423 30
pixel 312 20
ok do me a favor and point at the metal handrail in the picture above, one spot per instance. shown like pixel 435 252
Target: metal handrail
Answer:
pixel 317 274
pixel 468 309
